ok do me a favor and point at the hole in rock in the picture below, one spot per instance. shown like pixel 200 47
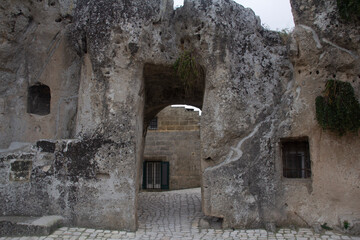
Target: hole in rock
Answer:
pixel 39 99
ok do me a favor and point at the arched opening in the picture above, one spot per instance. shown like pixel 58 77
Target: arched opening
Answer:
pixel 172 154
pixel 39 98
pixel 163 87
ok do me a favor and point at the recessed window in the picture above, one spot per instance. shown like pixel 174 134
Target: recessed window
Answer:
pixel 39 99
pixel 156 175
pixel 296 158
pixel 153 125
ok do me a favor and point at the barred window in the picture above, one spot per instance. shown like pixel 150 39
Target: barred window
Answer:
pixel 156 175
pixel 296 159
pixel 153 125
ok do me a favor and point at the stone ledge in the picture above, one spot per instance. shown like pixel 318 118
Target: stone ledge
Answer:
pixel 29 226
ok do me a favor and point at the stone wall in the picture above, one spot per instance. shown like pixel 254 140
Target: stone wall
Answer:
pixel 34 48
pixel 70 178
pixel 109 65
pixel 177 141
pixel 323 47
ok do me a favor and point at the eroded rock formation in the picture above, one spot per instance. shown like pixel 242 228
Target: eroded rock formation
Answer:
pixel 108 66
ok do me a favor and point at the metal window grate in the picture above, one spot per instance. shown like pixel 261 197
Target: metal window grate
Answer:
pixel 153 125
pixel 296 159
pixel 153 176
pixel 156 175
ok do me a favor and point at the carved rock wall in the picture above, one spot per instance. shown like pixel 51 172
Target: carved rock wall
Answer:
pixel 257 90
pixel 35 49
pixel 324 47
pixel 247 73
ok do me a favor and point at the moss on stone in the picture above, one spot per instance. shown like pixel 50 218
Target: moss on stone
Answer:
pixel 188 70
pixel 349 10
pixel 338 110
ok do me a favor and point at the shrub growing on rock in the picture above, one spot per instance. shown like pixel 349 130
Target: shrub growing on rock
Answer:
pixel 188 70
pixel 349 9
pixel 338 110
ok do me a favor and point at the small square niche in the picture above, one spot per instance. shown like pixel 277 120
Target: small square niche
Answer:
pixel 296 158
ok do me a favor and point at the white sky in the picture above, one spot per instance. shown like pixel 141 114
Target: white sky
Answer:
pixel 274 14
pixel 188 107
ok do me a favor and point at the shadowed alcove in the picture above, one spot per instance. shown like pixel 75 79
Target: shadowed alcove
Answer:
pixel 163 87
pixel 172 157
pixel 39 99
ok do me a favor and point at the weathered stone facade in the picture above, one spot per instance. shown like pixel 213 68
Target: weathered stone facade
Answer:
pixel 108 65
pixel 324 47
pixel 34 48
pixel 177 141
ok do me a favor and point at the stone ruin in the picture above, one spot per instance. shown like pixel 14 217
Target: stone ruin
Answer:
pixel 81 79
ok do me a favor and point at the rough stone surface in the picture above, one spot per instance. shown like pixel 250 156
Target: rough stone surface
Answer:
pixel 67 182
pixel 109 67
pixel 175 215
pixel 34 48
pixel 29 226
pixel 323 47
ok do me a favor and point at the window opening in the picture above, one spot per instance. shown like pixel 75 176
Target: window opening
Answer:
pixel 156 175
pixel 39 99
pixel 153 125
pixel 296 159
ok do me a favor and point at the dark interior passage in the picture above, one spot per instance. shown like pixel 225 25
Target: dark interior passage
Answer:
pixel 163 87
pixel 39 99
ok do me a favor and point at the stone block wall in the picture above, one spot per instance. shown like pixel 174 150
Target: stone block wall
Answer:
pixel 177 141
pixel 178 119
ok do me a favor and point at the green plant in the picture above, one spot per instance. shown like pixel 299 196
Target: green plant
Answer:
pixel 346 225
pixel 188 70
pixel 338 110
pixel 349 10
pixel 326 227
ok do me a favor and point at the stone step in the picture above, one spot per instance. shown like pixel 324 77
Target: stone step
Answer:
pixel 29 226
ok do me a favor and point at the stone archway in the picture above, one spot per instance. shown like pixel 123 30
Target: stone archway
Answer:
pixel 245 77
pixel 163 88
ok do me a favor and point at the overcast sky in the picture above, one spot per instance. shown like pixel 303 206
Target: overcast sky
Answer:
pixel 275 14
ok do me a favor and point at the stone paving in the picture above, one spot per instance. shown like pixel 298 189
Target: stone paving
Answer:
pixel 175 215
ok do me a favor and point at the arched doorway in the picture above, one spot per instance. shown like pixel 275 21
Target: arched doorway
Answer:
pixel 163 88
pixel 172 154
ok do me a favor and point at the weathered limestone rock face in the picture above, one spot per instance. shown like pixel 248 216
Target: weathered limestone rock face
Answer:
pixel 324 47
pixel 108 65
pixel 247 73
pixel 34 48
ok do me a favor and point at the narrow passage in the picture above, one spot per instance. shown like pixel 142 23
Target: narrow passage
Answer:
pixel 172 211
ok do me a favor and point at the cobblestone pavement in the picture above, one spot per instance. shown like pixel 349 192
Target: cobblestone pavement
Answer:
pixel 175 215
